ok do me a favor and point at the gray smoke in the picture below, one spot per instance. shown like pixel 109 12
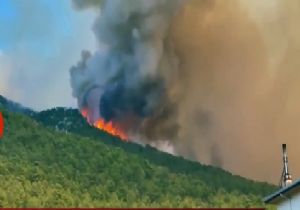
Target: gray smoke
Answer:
pixel 212 80
pixel 126 82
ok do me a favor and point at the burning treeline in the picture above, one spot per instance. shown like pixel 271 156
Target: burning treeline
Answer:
pixel 213 80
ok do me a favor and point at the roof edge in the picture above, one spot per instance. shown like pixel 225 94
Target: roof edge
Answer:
pixel 281 192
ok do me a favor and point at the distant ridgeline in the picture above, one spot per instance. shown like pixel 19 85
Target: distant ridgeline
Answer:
pixel 15 107
pixel 54 158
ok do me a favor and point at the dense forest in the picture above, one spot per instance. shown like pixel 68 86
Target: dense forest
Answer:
pixel 55 159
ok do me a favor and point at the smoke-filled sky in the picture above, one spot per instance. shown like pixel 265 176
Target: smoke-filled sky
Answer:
pixel 212 80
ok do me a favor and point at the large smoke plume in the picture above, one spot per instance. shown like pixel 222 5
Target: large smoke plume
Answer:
pixel 212 80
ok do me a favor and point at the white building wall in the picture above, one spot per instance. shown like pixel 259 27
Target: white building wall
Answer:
pixel 290 204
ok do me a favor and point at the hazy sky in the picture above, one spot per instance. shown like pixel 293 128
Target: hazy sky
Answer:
pixel 39 41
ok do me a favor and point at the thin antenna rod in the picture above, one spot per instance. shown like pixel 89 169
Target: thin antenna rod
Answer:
pixel 286 177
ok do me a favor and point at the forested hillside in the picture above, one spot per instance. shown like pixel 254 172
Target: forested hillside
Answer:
pixel 70 120
pixel 52 167
pixel 15 107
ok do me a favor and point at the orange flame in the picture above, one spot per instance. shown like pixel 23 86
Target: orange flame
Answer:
pixel 108 127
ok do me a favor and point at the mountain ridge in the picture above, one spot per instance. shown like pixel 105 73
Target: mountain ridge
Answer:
pixel 15 106
pixel 217 181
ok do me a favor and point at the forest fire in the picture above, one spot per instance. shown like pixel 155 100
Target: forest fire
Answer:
pixel 108 127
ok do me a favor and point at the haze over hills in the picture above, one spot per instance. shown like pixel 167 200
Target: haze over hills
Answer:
pixel 54 158
pixel 15 107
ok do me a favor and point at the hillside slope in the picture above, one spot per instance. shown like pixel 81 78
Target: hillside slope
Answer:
pixel 41 167
pixel 70 120
pixel 15 107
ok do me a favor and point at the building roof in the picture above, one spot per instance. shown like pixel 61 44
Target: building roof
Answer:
pixel 283 193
